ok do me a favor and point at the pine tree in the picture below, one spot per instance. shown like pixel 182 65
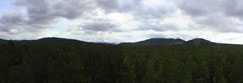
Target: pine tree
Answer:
pixel 127 73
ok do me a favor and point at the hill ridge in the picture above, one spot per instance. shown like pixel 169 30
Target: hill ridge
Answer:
pixel 147 42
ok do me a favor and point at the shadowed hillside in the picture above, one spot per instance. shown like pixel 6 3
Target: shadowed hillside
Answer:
pixel 3 41
pixel 157 41
pixel 163 42
pixel 199 41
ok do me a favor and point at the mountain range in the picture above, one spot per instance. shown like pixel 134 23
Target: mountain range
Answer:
pixel 148 42
pixel 170 41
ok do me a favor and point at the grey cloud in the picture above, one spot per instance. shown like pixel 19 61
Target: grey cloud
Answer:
pixel 11 22
pixel 199 8
pixel 135 7
pixel 218 15
pixel 220 23
pixel 159 27
pixel 44 10
pixel 37 11
pixel 72 9
pixel 109 5
pixel 141 11
pixel 234 8
pixel 13 19
pixel 195 7
pixel 100 26
pixel 119 5
pixel 156 24
pixel 41 14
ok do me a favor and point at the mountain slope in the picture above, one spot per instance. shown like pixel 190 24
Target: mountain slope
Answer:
pixel 55 41
pixel 163 41
pixel 157 41
pixel 49 41
pixel 200 42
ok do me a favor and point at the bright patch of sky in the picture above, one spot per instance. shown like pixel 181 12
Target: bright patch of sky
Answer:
pixel 5 6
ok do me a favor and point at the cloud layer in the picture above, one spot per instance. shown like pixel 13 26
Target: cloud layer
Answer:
pixel 218 15
pixel 123 20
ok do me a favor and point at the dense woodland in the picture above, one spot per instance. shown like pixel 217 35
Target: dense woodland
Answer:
pixel 23 63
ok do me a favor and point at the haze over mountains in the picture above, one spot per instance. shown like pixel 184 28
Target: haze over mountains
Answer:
pixel 148 42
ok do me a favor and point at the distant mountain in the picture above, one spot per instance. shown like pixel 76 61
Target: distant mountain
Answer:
pixel 157 41
pixel 55 41
pixel 163 41
pixel 200 42
pixel 49 41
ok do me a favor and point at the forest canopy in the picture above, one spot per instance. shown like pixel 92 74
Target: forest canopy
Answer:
pixel 103 63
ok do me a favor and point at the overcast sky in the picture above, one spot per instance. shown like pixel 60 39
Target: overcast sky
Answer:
pixel 122 20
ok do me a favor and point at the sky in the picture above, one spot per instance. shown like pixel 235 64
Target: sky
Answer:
pixel 118 21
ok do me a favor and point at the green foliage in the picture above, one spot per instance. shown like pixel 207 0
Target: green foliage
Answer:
pixel 120 64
